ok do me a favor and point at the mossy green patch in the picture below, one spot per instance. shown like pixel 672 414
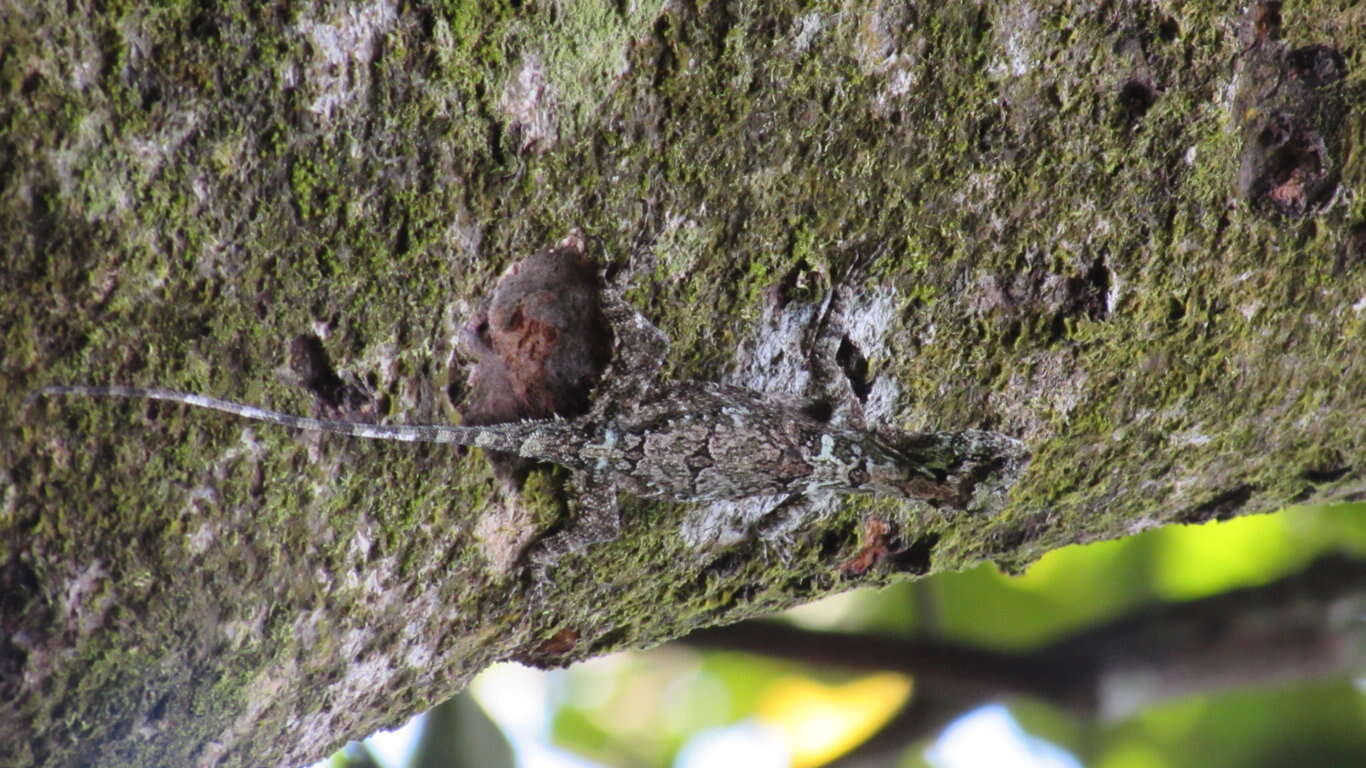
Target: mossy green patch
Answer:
pixel 177 214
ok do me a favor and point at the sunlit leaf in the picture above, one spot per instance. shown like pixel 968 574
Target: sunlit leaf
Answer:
pixel 820 722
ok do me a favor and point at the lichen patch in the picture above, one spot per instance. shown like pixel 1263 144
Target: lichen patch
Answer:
pixel 866 321
pixel 503 530
pixel 1017 29
pixel 529 105
pixel 881 42
pixel 807 28
pixel 773 359
pixel 87 597
pixel 342 47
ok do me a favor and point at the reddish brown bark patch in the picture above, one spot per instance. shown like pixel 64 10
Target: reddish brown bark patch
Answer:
pixel 541 344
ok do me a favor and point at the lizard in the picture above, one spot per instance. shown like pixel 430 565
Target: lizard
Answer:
pixel 681 441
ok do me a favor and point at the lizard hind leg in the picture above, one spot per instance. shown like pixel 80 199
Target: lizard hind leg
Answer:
pixel 595 518
pixel 638 351
pixel 638 347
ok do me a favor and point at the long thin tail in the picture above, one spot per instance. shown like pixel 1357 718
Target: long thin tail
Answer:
pixel 492 439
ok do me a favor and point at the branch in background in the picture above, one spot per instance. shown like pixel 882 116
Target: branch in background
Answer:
pixel 1308 626
pixel 1305 627
pixel 948 668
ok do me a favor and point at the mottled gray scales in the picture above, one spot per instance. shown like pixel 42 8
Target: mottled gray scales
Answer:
pixel 688 442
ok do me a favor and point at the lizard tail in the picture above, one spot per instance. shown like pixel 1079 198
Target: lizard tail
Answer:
pixel 411 433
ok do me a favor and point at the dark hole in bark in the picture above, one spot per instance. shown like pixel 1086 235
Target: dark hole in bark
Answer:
pixel 19 590
pixel 150 96
pixel 204 27
pixel 1168 30
pixel 1316 65
pixel 1176 311
pixel 1221 507
pixel 1135 98
pixel 18 587
pixel 916 559
pixel 308 359
pixel 1099 278
pixel 855 367
pixel 1325 475
pixel 1085 294
pixel 1010 332
pixel 820 410
pixel 611 270
pixel 158 709
pixel 1353 251
pixel 13 659
pixel 836 541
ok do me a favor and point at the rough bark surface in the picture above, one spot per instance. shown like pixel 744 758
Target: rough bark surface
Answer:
pixel 1129 234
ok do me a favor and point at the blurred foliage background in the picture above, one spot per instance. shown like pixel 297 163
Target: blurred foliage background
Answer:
pixel 687 705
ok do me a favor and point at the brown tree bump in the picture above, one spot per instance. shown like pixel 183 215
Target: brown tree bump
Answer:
pixel 541 343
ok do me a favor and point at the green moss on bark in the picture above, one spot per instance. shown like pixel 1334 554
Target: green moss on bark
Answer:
pixel 192 186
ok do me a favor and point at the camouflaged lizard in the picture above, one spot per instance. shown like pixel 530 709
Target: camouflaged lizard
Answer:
pixel 685 441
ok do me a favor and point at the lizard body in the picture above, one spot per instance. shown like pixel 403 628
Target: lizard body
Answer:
pixel 682 441
pixel 691 442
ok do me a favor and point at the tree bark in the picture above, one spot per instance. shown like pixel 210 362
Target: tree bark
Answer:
pixel 1128 235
